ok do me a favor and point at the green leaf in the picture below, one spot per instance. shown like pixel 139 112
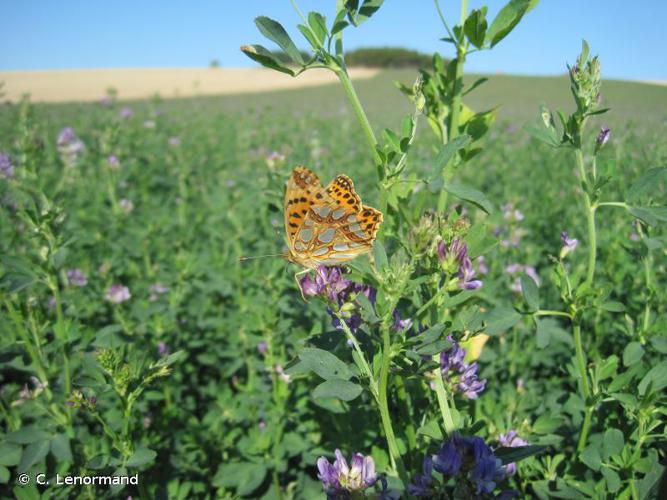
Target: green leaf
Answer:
pixel 10 454
pixel 647 183
pixel 510 455
pixel 508 17
pixel 434 348
pixel 431 429
pixel 656 377
pixel 612 306
pixel 612 478
pixel 60 448
pixel 325 364
pixel 548 135
pixel 28 434
pixel 546 424
pixel 476 84
pixel 591 457
pixel 141 456
pixel 33 453
pixel 337 388
pixel 608 367
pixel 650 480
pixel 318 24
pixel 470 194
pixel 612 443
pixel 531 292
pixel 265 58
pixel 543 334
pixel 650 215
pixel 245 477
pixel 500 319
pixel 632 353
pixel 450 149
pixel 4 475
pixel 274 31
pixel 475 27
pixel 358 14
pixel 380 256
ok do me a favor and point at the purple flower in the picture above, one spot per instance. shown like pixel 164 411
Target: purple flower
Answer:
pixel 159 288
pixel 400 325
pixel 512 214
pixel 460 375
pixel 339 478
pixel 70 146
pixel 117 294
pixel 569 244
pixel 602 137
pixel 472 459
pixel 106 101
pixel 6 167
pixel 455 259
pixel 421 483
pixel 481 265
pixel 113 162
pixel 126 112
pixel 511 440
pixel 262 347
pixel 76 277
pixel 162 349
pixel 174 141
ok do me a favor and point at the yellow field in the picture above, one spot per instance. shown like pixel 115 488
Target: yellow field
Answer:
pixel 137 83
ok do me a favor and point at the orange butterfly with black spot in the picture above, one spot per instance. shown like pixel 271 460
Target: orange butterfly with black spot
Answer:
pixel 326 226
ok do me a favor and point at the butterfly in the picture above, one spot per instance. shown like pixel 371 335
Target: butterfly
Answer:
pixel 326 226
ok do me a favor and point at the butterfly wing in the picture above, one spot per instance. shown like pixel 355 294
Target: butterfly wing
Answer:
pixel 303 189
pixel 327 226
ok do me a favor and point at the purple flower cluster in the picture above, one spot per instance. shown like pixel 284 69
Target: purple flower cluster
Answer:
pixel 330 284
pixel 339 479
pixel 511 440
pixel 512 214
pixel 468 459
pixel 117 294
pixel 461 375
pixel 455 256
pixel 76 277
pixel 70 146
pixel 6 167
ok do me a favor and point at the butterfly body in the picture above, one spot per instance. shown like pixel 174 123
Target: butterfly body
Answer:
pixel 326 226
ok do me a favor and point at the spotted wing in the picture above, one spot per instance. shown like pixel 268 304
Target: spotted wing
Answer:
pixel 303 189
pixel 337 227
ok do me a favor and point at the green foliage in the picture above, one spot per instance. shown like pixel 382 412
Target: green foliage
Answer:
pixel 387 57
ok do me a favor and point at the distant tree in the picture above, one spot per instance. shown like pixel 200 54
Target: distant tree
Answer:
pixel 214 63
pixel 387 57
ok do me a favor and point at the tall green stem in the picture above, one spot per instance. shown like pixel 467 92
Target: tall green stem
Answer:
pixel 367 129
pixel 590 219
pixel 394 453
pixel 453 128
pixel 445 411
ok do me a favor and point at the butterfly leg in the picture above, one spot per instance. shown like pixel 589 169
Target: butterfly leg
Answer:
pixel 298 283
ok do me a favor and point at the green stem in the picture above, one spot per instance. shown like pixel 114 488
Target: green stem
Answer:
pixel 581 361
pixel 394 453
pixel 402 394
pixel 584 429
pixel 612 204
pixel 361 362
pixel 546 312
pixel 445 411
pixel 453 129
pixel 590 219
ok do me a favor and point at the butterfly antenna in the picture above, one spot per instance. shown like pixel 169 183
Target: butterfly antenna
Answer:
pixel 243 259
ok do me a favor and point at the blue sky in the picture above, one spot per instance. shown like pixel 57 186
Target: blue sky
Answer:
pixel 629 36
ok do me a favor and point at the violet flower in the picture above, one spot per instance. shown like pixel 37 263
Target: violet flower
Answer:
pixel 76 277
pixel 455 259
pixel 602 137
pixel 339 479
pixel 6 167
pixel 460 375
pixel 113 162
pixel 511 440
pixel 471 459
pixel 569 244
pixel 421 483
pixel 70 146
pixel 126 113
pixel 117 294
pixel 262 347
pixel 162 349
